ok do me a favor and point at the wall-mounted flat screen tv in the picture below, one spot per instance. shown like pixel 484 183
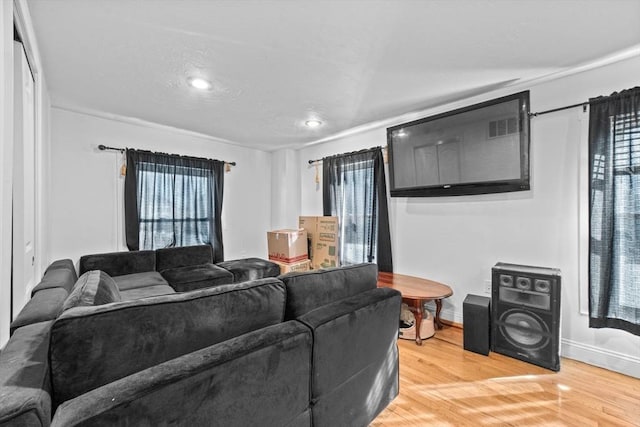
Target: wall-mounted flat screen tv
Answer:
pixel 483 148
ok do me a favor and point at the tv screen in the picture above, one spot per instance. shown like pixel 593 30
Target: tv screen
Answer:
pixel 483 148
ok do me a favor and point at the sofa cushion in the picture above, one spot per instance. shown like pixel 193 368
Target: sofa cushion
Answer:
pixel 44 305
pixel 119 263
pixel 25 388
pixel 93 346
pixel 196 277
pixel 182 256
pixel 148 291
pixel 93 288
pixel 60 274
pixel 139 280
pixel 307 291
pixel 250 269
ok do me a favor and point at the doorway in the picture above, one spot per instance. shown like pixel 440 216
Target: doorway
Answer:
pixel 24 173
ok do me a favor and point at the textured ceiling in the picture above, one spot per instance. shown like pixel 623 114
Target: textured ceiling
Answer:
pixel 275 64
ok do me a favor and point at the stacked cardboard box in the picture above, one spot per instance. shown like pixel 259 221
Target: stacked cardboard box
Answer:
pixel 288 249
pixel 322 232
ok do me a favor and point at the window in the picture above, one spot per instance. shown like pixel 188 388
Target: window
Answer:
pixel 355 208
pixel 614 139
pixel 173 206
pixel 354 190
pixel 173 201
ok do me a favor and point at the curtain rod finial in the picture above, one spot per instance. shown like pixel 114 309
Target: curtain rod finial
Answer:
pixel 101 147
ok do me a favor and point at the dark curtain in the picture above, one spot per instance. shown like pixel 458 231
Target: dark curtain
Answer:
pixel 173 200
pixel 354 189
pixel 614 237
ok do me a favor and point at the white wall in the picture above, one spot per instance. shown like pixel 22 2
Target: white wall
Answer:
pixel 86 199
pixel 456 240
pixel 285 183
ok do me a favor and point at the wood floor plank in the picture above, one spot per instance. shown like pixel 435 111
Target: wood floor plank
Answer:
pixel 441 384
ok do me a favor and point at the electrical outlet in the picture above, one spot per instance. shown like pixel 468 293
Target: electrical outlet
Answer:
pixel 487 286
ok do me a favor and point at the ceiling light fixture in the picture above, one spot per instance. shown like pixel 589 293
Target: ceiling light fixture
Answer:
pixel 199 83
pixel 313 123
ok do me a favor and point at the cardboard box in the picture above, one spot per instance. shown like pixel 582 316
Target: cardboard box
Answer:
pixel 287 246
pixel 294 267
pixel 323 240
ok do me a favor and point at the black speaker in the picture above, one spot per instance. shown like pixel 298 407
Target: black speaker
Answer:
pixel 525 313
pixel 476 314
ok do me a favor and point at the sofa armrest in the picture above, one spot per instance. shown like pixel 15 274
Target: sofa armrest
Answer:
pixel 355 357
pixel 260 378
pixel 119 263
pixel 25 390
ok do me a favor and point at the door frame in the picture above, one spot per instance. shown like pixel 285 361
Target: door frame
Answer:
pixel 16 13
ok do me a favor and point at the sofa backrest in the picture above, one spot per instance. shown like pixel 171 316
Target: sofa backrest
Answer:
pixel 93 346
pixel 183 256
pixel 48 296
pixel 307 291
pixel 60 274
pixel 119 263
pixel 261 378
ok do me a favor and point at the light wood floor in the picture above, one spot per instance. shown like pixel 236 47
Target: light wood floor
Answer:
pixel 441 384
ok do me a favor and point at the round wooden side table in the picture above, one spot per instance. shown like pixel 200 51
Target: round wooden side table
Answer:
pixel 415 292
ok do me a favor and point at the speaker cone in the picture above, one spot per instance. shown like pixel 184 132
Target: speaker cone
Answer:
pixel 524 329
pixel 506 280
pixel 542 286
pixel 523 283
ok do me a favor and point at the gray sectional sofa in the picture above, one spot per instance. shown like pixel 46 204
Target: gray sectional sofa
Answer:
pixel 316 348
pixel 180 268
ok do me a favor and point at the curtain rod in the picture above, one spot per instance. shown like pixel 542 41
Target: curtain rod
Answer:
pixel 319 160
pixel 122 150
pixel 566 107
pixel 584 104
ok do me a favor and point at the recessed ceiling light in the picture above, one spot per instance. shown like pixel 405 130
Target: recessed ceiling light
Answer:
pixel 199 83
pixel 313 123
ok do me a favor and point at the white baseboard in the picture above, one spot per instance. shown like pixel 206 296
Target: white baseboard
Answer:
pixel 446 314
pixel 611 360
